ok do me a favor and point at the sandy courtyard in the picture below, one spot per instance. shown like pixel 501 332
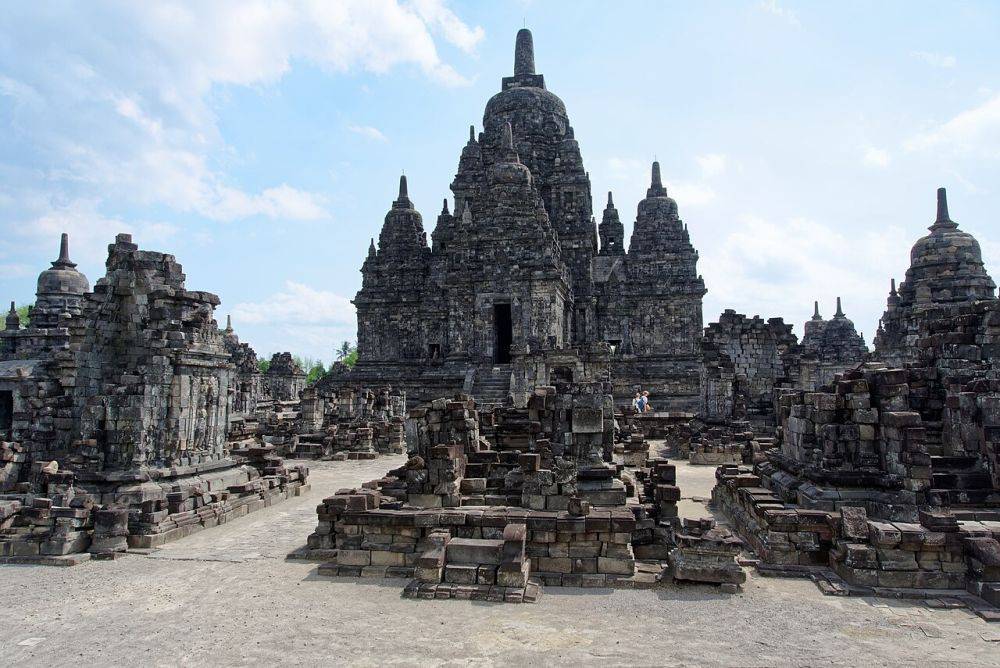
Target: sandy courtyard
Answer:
pixel 227 596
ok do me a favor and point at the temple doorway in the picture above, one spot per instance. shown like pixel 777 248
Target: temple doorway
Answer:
pixel 503 331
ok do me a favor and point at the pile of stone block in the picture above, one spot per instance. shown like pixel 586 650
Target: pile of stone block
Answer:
pixel 716 454
pixel 32 526
pixel 863 427
pixel 476 568
pixel 349 423
pixel 983 554
pixel 706 553
pixel 656 514
pixel 445 422
pixel 384 540
pixel 720 443
pixel 13 457
pixel 635 450
pixel 778 533
pixel 873 553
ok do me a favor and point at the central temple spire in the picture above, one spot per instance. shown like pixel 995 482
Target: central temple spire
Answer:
pixel 524 53
pixel 524 64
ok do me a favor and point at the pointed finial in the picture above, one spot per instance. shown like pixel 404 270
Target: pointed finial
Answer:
pixel 656 188
pixel 524 53
pixel 892 287
pixel 942 206
pixel 403 201
pixel 13 322
pixel 229 323
pixel 816 315
pixel 371 248
pixel 943 220
pixel 840 311
pixel 63 260
pixel 611 202
pixel 444 207
pixel 472 134
pixel 507 138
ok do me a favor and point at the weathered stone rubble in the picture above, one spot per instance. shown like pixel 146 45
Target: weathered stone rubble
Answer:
pixel 546 471
pixel 349 423
pixel 117 411
pixel 889 474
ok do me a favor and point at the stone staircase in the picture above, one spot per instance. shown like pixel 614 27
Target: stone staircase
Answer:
pixel 491 386
pixel 959 481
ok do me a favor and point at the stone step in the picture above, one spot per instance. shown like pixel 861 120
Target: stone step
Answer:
pixel 961 480
pixel 473 551
pixel 953 462
pixel 988 498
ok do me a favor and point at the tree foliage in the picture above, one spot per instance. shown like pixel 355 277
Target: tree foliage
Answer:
pixel 22 313
pixel 347 353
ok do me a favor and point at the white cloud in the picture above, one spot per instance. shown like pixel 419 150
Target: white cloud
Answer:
pixel 772 7
pixel 637 172
pixel 762 267
pixel 369 132
pixel 443 20
pixel 974 130
pixel 121 107
pixel 298 304
pixel 90 232
pixel 935 59
pixel 689 193
pixel 711 164
pixel 876 157
pixel 299 318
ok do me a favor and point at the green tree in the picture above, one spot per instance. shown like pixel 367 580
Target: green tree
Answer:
pixel 315 373
pixel 351 359
pixel 344 351
pixel 23 313
pixel 263 365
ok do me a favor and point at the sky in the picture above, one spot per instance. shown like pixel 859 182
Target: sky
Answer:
pixel 261 142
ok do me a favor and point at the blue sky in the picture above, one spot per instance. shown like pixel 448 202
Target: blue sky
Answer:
pixel 261 143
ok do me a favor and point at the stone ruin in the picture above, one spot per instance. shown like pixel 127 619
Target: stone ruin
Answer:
pixel 546 474
pixel 889 474
pixel 502 355
pixel 341 422
pixel 495 502
pixel 116 408
pixel 284 379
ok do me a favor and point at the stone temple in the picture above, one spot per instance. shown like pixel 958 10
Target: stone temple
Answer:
pixel 517 285
pixel 497 362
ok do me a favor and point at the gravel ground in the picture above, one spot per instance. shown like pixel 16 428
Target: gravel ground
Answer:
pixel 227 596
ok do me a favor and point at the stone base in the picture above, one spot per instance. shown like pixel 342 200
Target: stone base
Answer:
pixel 218 513
pixel 714 458
pixel 530 593
pixel 39 560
